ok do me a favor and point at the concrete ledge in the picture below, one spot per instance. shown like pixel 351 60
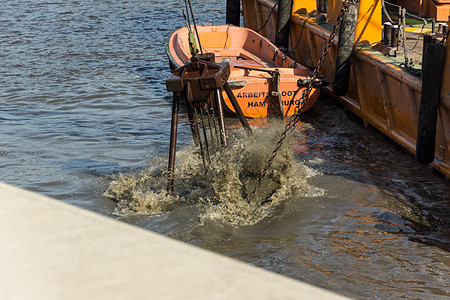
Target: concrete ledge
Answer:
pixel 51 250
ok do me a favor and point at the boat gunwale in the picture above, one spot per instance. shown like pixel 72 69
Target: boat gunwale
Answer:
pixel 294 70
pixel 172 60
pixel 291 60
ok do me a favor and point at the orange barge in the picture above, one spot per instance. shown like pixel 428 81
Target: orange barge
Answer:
pixel 255 63
pixel 381 91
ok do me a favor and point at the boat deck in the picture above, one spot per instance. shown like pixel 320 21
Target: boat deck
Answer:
pixel 396 56
pixel 414 50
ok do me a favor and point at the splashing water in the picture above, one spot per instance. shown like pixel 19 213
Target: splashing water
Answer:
pixel 222 190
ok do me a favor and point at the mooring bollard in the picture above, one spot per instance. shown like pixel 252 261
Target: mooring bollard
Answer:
pixel 387 33
pixel 394 36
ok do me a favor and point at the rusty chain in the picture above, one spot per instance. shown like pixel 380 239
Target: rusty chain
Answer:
pixel 403 35
pixel 295 118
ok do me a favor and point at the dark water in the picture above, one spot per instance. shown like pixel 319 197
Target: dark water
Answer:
pixel 83 99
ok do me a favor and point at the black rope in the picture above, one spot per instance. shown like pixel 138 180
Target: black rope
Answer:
pixel 386 12
pixel 420 34
pixel 299 38
pixel 268 18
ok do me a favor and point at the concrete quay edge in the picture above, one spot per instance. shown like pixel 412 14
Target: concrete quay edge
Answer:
pixel 52 250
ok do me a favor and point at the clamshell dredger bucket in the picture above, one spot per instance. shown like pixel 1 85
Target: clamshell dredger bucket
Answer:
pixel 200 83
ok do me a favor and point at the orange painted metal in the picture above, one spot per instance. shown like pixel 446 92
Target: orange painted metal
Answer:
pixel 380 92
pixel 304 6
pixel 438 9
pixel 368 28
pixel 242 47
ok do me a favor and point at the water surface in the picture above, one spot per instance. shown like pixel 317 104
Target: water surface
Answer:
pixel 82 94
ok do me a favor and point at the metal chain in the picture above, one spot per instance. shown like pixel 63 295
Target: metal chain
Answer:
pixel 298 109
pixel 403 34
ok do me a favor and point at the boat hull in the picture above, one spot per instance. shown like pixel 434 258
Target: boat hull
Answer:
pixel 255 102
pixel 242 47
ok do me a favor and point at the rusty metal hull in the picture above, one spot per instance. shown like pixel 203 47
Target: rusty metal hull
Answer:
pixel 381 93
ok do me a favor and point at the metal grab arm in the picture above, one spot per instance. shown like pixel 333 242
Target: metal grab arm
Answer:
pixel 271 72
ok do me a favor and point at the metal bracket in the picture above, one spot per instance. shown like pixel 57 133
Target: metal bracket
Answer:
pixel 317 82
pixel 275 107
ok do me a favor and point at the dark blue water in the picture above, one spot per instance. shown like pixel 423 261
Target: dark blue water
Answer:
pixel 82 99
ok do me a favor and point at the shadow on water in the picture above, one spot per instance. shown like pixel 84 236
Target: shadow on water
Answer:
pixel 418 203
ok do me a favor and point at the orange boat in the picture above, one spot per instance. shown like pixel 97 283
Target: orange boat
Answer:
pixel 255 64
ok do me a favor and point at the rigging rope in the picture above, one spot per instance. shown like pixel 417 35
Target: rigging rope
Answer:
pixel 268 18
pixel 386 12
pixel 407 13
pixel 300 37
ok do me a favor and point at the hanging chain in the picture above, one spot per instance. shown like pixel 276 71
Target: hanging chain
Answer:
pixel 403 34
pixel 293 120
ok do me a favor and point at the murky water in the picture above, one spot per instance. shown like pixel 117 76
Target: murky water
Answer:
pixel 83 100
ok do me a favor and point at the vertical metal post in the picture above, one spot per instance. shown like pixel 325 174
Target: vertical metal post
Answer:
pixel 213 111
pixel 432 68
pixel 283 22
pixel 193 121
pixel 205 135
pixel 427 38
pixel 322 6
pixel 444 29
pixel 233 13
pixel 207 109
pixel 200 144
pixel 275 107
pixel 173 141
pixel 223 135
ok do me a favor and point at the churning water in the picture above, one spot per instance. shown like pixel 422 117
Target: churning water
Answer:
pixel 85 119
